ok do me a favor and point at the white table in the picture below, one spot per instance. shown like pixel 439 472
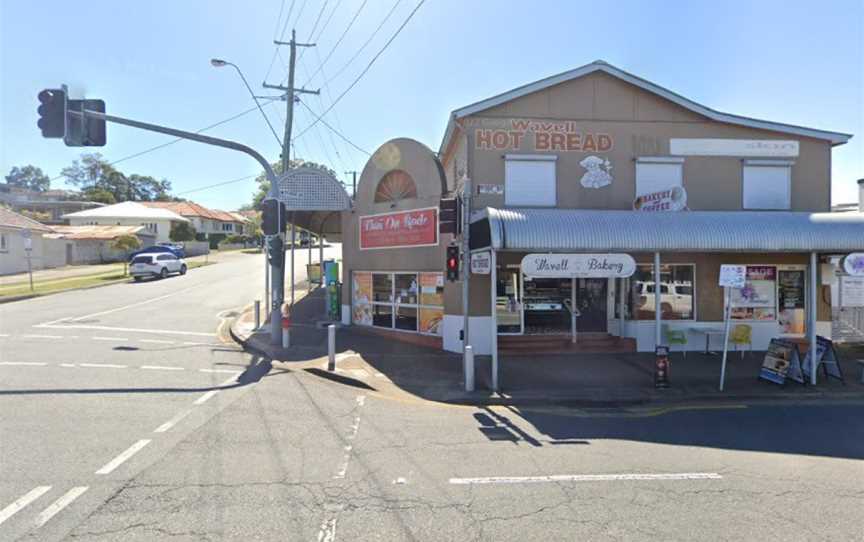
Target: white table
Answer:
pixel 708 331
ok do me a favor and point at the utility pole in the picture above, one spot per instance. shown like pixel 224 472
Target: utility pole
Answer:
pixel 353 183
pixel 290 91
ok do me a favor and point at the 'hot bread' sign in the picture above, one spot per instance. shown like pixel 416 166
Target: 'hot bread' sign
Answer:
pixel 415 228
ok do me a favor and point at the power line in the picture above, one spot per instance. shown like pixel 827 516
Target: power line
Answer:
pixel 320 32
pixel 280 36
pixel 339 41
pixel 332 129
pixel 368 41
pixel 279 19
pixel 366 69
pixel 223 183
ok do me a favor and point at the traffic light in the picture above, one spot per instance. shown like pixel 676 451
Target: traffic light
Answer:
pixel 52 112
pixel 275 251
pixel 85 131
pixel 272 217
pixel 449 220
pixel 453 263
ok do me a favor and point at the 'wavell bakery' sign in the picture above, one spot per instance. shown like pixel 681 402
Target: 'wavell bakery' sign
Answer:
pixel 578 265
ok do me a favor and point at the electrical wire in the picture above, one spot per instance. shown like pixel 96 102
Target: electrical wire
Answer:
pixel 366 69
pixel 362 47
pixel 339 41
pixel 223 183
pixel 332 129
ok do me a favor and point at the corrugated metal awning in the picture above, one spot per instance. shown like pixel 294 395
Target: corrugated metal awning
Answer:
pixel 560 230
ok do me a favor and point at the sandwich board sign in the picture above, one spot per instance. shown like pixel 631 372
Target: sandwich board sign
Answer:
pixel 826 356
pixel 782 360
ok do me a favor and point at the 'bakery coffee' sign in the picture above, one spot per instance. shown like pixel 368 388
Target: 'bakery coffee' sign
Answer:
pixel 541 135
pixel 415 228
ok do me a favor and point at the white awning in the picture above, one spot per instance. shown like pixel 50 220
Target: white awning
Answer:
pixel 577 230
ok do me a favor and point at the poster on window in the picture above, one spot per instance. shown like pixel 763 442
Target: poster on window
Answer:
pixel 791 295
pixel 430 320
pixel 361 306
pixel 432 288
pixel 757 300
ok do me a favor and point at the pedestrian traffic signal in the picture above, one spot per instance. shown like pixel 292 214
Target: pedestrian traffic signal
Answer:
pixel 82 131
pixel 453 263
pixel 275 251
pixel 52 112
pixel 272 217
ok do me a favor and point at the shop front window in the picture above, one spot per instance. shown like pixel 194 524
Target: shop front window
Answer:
pixel 403 301
pixel 382 315
pixel 382 288
pixel 757 300
pixel 677 300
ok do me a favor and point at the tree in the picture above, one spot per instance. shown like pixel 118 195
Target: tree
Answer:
pixel 264 184
pixel 29 177
pixel 99 195
pixel 93 173
pixel 182 231
pixel 126 243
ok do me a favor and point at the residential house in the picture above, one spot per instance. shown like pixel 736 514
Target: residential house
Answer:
pixel 94 243
pixel 48 206
pixel 156 221
pixel 210 224
pixel 17 233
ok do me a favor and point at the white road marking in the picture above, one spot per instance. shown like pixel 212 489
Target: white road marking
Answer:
pixel 103 365
pixel 128 329
pixel 28 363
pixel 60 504
pixel 156 341
pixel 219 371
pixel 327 533
pixel 16 506
pixel 172 422
pixel 203 399
pixel 162 368
pixel 109 311
pixel 67 365
pixel 4 334
pixel 117 461
pixel 586 478
pixel 37 336
pixel 110 338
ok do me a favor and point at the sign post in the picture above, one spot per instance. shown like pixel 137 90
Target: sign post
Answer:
pixel 731 276
pixel 28 247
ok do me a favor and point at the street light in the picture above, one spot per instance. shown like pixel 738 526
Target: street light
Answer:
pixel 219 63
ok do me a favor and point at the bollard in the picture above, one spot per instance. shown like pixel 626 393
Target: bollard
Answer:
pixel 331 347
pixel 257 313
pixel 286 332
pixel 469 368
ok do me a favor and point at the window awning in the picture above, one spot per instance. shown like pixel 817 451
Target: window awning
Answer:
pixel 578 230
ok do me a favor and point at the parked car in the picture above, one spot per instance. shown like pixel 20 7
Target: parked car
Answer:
pixel 158 249
pixel 156 265
pixel 179 248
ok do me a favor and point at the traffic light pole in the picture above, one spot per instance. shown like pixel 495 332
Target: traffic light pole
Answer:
pixel 278 287
pixel 466 262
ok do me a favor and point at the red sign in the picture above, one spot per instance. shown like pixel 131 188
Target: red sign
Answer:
pixel 415 228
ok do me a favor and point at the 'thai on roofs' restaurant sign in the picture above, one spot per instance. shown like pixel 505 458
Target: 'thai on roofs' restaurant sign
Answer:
pixel 540 135
pixel 414 228
pixel 578 265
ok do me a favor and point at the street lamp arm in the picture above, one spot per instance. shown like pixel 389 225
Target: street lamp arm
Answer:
pixel 218 63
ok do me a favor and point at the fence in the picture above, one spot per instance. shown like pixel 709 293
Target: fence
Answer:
pixel 196 248
pixel 847 324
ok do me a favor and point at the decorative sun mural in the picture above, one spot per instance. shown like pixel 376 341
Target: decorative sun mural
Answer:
pixel 395 186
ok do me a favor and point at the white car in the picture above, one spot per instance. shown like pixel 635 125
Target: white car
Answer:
pixel 158 264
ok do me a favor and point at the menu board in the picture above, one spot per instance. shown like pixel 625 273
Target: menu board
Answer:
pixel 432 289
pixel 361 291
pixel 791 296
pixel 781 361
pixel 757 300
pixel 431 320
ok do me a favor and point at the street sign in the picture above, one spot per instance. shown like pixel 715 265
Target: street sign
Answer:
pixel 26 233
pixel 481 263
pixel 733 276
pixel 28 244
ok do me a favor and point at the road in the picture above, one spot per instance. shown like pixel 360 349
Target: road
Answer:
pixel 132 426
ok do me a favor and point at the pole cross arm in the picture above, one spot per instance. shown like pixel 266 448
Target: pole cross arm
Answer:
pixel 288 89
pixel 208 140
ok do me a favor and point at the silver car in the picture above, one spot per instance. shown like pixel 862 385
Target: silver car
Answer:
pixel 156 265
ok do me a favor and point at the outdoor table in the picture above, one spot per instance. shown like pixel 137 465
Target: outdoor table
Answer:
pixel 708 331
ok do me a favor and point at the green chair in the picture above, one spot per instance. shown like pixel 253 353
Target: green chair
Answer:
pixel 675 336
pixel 742 334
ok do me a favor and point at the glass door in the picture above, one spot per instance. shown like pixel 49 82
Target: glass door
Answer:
pixel 592 303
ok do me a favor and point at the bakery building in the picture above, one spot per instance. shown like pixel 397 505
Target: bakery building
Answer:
pixel 589 189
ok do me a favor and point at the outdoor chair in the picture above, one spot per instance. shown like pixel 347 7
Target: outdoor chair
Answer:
pixel 675 336
pixel 742 334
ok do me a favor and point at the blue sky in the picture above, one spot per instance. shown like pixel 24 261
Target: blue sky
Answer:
pixel 789 61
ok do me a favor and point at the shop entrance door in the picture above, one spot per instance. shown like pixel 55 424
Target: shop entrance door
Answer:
pixel 591 300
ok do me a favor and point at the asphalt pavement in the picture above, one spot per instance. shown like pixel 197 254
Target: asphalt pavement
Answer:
pixel 124 415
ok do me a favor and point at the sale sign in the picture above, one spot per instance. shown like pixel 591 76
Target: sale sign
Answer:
pixel 415 228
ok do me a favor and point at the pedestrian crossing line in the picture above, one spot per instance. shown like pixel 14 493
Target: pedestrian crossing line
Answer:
pixel 60 504
pixel 103 365
pixel 173 421
pixel 155 341
pixel 110 339
pixel 35 336
pixel 22 502
pixel 25 363
pixel 162 368
pixel 120 459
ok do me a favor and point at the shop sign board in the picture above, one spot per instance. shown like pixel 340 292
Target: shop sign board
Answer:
pixel 481 262
pixel 733 276
pixel 826 356
pixel 673 199
pixel 853 264
pixel 782 360
pixel 414 228
pixel 733 147
pixel 578 265
pixel 538 135
pixel 852 291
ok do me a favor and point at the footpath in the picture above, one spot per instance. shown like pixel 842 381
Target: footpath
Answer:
pixel 408 372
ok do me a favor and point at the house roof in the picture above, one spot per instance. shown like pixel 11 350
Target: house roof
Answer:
pixel 128 209
pixel 190 208
pixel 97 232
pixel 578 230
pixel 11 219
pixel 836 138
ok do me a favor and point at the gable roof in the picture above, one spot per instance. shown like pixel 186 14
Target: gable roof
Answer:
pixel 98 232
pixel 11 219
pixel 836 138
pixel 128 209
pixel 190 208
